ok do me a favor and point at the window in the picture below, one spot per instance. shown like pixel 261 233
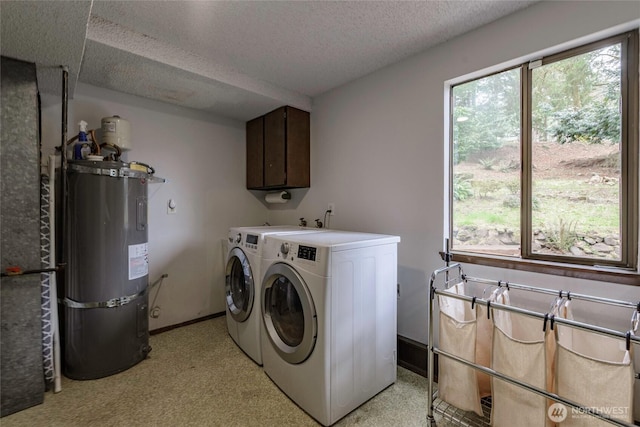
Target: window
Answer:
pixel 545 158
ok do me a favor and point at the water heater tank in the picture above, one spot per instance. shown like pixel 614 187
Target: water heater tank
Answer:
pixel 106 297
pixel 117 131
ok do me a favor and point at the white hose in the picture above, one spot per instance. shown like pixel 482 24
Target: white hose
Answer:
pixel 57 367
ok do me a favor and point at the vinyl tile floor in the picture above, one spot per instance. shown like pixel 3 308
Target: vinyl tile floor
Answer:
pixel 196 376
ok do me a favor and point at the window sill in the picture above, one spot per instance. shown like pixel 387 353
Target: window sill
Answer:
pixel 612 275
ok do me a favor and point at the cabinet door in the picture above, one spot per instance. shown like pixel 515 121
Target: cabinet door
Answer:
pixel 255 153
pixel 298 167
pixel 275 148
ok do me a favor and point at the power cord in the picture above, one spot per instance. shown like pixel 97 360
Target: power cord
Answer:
pixel 326 222
pixel 154 311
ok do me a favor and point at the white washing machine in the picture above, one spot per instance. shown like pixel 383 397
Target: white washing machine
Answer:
pixel 243 281
pixel 329 318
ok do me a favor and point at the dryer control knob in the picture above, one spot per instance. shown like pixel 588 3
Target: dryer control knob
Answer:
pixel 284 248
pixel 238 238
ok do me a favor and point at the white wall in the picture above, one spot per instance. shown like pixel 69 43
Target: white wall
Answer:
pixel 203 159
pixel 378 145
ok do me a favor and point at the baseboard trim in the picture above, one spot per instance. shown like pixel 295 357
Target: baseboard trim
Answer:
pixel 412 355
pixel 188 322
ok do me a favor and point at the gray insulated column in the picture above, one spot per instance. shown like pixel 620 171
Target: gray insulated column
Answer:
pixel 21 377
pixel 106 302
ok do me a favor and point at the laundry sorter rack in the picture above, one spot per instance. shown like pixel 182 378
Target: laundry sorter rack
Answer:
pixel 453 274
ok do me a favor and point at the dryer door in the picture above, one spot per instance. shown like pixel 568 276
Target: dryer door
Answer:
pixel 239 287
pixel 289 313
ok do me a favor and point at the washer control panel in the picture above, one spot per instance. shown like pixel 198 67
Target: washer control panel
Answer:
pixel 251 241
pixel 307 252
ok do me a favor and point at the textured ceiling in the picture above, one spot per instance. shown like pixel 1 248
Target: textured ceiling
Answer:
pixel 49 33
pixel 237 59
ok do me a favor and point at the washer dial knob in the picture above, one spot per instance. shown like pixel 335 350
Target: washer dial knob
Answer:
pixel 284 248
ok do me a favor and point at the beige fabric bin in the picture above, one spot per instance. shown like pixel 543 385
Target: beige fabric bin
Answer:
pixel 519 351
pixel 594 371
pixel 458 383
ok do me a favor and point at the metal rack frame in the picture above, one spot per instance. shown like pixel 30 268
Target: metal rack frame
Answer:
pixel 433 350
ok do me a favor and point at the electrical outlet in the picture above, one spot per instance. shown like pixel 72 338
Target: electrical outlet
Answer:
pixel 332 208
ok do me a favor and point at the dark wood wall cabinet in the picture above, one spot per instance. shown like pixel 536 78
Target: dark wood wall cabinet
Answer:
pixel 278 150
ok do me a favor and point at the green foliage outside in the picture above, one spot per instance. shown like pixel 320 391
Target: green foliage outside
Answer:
pixel 560 207
pixel 576 99
pixel 462 189
pixel 594 125
pixel 486 113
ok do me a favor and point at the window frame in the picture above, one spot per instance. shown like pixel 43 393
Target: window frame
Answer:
pixel 622 271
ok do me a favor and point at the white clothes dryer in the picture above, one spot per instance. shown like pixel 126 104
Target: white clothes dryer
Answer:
pixel 329 318
pixel 243 283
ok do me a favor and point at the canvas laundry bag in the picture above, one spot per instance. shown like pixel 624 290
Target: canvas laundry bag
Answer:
pixel 458 383
pixel 484 339
pixel 587 362
pixel 519 351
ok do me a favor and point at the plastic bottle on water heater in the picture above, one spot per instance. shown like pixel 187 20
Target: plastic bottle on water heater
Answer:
pixel 81 149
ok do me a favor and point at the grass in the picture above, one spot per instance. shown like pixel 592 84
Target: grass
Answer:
pixel 589 207
pixel 502 218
